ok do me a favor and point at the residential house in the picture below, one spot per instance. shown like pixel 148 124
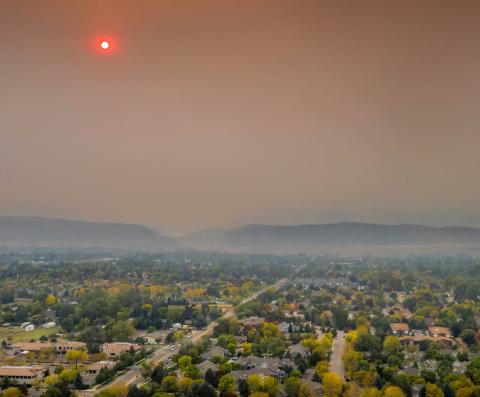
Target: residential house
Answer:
pixel 206 365
pixel 315 387
pixel 296 350
pixel 309 374
pixel 285 327
pixel 215 351
pixel 459 367
pixel 411 371
pixel 399 329
pixel 417 339
pixel 243 374
pixel 115 349
pixel 439 331
pixel 429 365
pixel 253 321
pixel 397 310
pixel 273 363
pixel 95 368
pixel 156 337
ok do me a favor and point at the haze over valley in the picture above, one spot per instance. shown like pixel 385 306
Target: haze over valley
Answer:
pixel 339 238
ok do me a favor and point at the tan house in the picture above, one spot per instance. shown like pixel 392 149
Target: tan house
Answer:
pixel 399 328
pixel 114 349
pixel 253 321
pixel 155 337
pixel 439 331
pixel 95 368
pixel 416 339
pixel 22 374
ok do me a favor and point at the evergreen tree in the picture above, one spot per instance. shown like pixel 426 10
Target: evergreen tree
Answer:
pixel 78 382
pixel 211 377
pixel 202 390
pixel 243 388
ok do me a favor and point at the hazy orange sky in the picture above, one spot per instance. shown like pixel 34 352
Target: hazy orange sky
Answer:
pixel 216 113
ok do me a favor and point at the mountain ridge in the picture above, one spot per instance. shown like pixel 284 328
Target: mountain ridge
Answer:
pixel 342 233
pixel 37 231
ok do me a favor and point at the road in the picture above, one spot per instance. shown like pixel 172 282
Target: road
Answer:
pixel 133 374
pixel 336 364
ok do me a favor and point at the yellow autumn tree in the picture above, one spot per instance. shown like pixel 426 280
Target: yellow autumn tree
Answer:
pixel 432 390
pixel 12 392
pixel 50 300
pixel 393 391
pixel 332 384
pixel 76 356
pixel 113 391
pixel 321 368
pixel 371 392
pixel 305 391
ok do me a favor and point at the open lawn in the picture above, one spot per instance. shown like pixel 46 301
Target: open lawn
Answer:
pixel 6 332
pixel 18 302
pixel 24 336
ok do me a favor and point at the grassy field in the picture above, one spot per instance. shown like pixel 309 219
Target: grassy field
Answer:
pixel 18 302
pixel 6 332
pixel 24 336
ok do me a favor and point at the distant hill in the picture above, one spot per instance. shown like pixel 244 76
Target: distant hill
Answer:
pixel 336 238
pixel 298 237
pixel 33 232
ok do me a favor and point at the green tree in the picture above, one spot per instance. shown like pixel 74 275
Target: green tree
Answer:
pixel 305 391
pixel 468 336
pixel 113 391
pixel 146 370
pixel 292 386
pixel 159 373
pixel 184 362
pixel 392 345
pixel 202 390
pixel 227 384
pixel 270 386
pixel 169 384
pixel 121 330
pixel 185 385
pixel 78 382
pixel 367 343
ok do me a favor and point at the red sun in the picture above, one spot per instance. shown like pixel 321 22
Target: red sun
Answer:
pixel 105 44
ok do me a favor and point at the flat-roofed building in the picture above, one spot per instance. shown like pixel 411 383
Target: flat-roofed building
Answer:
pixel 62 346
pixel 34 347
pixel 22 374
